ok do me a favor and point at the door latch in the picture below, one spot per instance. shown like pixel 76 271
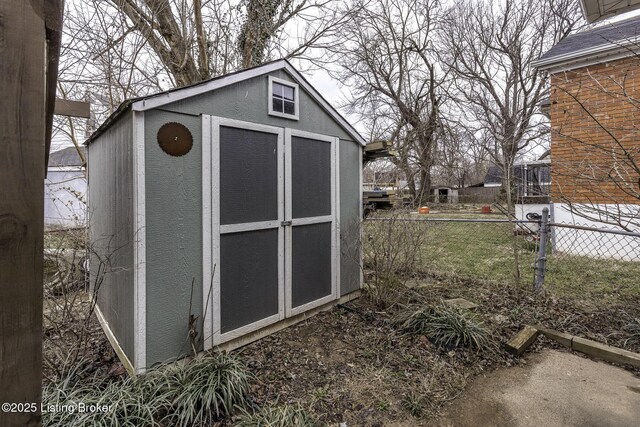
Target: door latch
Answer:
pixel 285 223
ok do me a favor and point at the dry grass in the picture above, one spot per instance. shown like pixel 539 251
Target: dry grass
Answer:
pixel 278 416
pixel 360 367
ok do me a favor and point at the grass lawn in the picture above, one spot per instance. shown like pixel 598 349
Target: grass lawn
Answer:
pixel 480 250
pixel 573 275
pixel 485 251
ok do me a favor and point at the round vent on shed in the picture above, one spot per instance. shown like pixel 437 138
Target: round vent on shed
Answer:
pixel 175 139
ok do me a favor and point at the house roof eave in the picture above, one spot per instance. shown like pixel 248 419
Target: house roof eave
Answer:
pixel 594 55
pixel 597 10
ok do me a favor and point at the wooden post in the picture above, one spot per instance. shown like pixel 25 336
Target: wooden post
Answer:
pixel 522 341
pixel 28 65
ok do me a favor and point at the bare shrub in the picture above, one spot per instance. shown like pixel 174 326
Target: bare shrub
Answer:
pixel 67 334
pixel 72 338
pixel 391 247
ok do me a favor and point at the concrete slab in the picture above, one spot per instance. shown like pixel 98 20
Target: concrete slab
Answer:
pixel 554 389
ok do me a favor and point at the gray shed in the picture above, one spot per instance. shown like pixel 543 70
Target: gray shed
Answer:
pixel 234 203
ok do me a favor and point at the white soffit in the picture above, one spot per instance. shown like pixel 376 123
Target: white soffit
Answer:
pixel 596 10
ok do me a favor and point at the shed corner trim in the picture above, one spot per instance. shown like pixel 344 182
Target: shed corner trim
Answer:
pixel 139 247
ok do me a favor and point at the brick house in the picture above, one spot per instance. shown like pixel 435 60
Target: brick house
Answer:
pixel 595 126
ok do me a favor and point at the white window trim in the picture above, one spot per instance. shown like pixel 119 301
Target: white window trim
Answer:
pixel 526 176
pixel 296 98
pixel 165 98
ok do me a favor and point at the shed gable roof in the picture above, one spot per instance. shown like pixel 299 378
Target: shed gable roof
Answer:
pixel 66 157
pixel 173 95
pixel 595 45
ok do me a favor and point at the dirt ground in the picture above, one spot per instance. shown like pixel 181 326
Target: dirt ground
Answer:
pixel 352 365
pixel 554 389
pixel 71 343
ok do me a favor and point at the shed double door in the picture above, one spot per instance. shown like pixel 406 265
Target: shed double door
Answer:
pixel 270 225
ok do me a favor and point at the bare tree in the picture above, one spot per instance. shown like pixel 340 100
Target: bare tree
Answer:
pixel 183 38
pixel 287 28
pixel 118 49
pixel 387 58
pixel 459 160
pixel 490 47
pixel 98 67
pixel 195 40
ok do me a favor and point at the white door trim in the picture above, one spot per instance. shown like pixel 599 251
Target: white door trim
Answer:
pixel 311 220
pixel 287 217
pixel 361 218
pixel 332 218
pixel 336 233
pixel 211 225
pixel 207 234
pixel 249 226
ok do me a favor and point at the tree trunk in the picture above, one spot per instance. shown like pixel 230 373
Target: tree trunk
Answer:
pixel 256 31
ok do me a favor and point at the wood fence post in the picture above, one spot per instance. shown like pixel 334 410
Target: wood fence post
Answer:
pixel 27 68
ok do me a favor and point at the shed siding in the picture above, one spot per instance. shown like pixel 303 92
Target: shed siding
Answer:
pixel 174 204
pixel 174 238
pixel 349 220
pixel 111 230
pixel 247 101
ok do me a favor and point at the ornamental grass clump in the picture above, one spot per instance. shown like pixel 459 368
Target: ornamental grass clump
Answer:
pixel 206 392
pixel 447 327
pixel 278 416
pixel 197 393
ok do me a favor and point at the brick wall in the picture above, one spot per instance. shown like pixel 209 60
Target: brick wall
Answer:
pixel 595 139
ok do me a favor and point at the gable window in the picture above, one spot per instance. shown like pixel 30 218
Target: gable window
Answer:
pixel 283 98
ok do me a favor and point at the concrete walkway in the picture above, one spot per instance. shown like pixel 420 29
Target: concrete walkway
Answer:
pixel 554 389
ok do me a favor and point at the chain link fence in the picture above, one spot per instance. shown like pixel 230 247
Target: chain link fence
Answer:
pixel 486 247
pixel 599 259
pixel 595 243
pixel 472 246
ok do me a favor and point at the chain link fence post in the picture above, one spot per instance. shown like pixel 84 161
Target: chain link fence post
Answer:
pixel 542 251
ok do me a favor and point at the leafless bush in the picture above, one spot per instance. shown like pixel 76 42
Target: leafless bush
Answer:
pixel 72 339
pixel 391 248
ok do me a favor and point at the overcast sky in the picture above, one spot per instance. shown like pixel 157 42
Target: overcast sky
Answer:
pixel 330 89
